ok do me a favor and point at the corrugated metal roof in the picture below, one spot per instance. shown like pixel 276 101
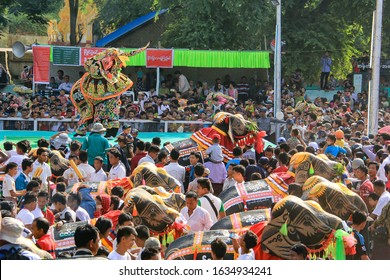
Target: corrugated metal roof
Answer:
pixel 105 41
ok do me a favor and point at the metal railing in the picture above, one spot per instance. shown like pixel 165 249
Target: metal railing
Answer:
pixel 54 124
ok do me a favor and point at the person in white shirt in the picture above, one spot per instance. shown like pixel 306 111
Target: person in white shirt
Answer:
pixel 229 181
pixel 244 245
pixel 151 156
pixel 210 202
pixel 66 85
pixel 74 201
pixel 175 170
pixel 70 174
pixel 99 175
pixel 25 215
pixel 21 150
pixel 40 164
pixel 84 166
pixel 384 198
pixel 118 170
pixel 184 85
pixel 198 219
pixel 9 191
pixel 125 240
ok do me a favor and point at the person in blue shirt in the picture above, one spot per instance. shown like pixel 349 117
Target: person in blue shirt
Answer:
pixel 23 178
pixel 237 153
pixel 331 148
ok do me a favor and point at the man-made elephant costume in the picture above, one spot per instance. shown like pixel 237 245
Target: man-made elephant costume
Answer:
pixel 96 94
pixel 233 130
pixel 304 165
pixel 254 194
pixel 297 221
pixel 154 207
pixel 334 198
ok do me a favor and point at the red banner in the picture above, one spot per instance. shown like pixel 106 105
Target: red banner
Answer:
pixel 159 58
pixel 89 52
pixel 41 58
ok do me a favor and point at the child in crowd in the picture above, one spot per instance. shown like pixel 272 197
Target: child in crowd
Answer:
pixel 244 245
pixel 215 151
pixel 9 189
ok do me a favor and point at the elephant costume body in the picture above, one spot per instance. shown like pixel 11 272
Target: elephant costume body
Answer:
pixel 304 165
pixel 334 198
pixel 150 175
pixel 238 221
pixel 233 130
pixel 154 207
pixel 254 194
pixel 306 222
pixel 196 246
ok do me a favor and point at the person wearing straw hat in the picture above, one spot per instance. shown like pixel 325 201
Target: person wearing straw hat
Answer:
pixel 96 145
pixel 14 246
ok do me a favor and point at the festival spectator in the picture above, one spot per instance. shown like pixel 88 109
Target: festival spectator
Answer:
pixel 70 174
pixel 283 160
pixel 123 149
pixel 40 228
pixel 74 202
pixel 251 168
pixel 237 156
pixel 218 249
pixel 198 219
pixel 9 190
pixel 98 175
pixel 87 201
pixel 84 167
pixel 64 213
pixel 384 198
pixel 162 159
pixel 244 245
pixel 41 169
pixel 359 221
pixel 139 154
pixel 175 170
pixel 364 187
pixel 118 170
pixel 22 148
pixel 151 156
pixel 208 201
pixel 24 177
pixel 66 85
pixel 199 171
pixel 229 181
pixel 25 215
pixel 125 240
pixel 381 248
pixel 96 145
pixel 103 203
pixel 43 202
pixel 86 238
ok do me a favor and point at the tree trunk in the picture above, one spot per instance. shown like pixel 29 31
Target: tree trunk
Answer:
pixel 73 10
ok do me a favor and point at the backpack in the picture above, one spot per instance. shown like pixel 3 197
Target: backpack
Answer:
pixel 13 254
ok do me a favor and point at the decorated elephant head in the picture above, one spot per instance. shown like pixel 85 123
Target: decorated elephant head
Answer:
pixel 305 165
pixel 234 131
pixel 334 198
pixel 196 246
pixel 154 208
pixel 150 175
pixel 297 221
pixel 253 195
pixel 238 221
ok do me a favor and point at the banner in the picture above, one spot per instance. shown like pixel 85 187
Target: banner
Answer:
pixel 89 52
pixel 159 58
pixel 41 59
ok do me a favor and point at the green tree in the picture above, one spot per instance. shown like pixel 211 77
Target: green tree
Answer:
pixel 33 11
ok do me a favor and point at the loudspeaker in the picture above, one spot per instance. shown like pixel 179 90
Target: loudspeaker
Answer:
pixel 19 49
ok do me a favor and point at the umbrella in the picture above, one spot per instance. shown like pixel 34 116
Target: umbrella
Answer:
pixel 385 129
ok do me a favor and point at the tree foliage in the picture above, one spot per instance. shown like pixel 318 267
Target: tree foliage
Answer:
pixel 309 27
pixel 33 11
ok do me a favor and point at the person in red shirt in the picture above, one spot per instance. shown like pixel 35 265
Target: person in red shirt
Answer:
pixel 43 200
pixel 139 153
pixel 283 159
pixel 366 187
pixel 40 227
pixel 162 159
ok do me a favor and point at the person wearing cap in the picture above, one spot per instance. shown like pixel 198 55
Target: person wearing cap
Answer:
pixel 96 145
pixel 151 243
pixel 215 151
pixel 281 140
pixel 60 141
pixel 13 243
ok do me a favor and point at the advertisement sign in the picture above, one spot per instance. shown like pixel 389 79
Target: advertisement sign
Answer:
pixel 89 52
pixel 41 59
pixel 159 58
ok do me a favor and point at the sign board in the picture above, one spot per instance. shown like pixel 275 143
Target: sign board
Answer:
pixel 66 56
pixel 89 52
pixel 64 237
pixel 157 58
pixel 41 59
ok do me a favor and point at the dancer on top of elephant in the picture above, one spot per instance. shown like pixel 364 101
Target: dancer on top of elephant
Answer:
pixel 96 94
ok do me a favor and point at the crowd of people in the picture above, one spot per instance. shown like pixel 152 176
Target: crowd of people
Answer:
pixel 34 200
